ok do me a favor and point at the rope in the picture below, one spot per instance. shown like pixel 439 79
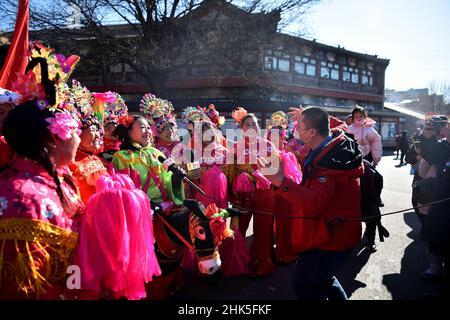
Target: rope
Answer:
pixel 334 224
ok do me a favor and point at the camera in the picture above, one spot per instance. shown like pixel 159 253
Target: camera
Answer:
pixel 436 123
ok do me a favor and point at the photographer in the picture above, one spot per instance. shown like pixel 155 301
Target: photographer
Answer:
pixel 435 150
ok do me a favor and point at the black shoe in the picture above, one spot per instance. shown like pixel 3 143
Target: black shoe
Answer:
pixel 371 247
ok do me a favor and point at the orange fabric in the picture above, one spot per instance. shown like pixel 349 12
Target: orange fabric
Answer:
pixel 86 170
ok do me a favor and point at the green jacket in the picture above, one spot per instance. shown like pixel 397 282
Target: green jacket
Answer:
pixel 145 162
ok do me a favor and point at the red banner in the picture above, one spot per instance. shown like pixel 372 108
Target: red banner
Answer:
pixel 17 58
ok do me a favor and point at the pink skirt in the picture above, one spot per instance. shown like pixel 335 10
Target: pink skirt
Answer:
pixel 116 240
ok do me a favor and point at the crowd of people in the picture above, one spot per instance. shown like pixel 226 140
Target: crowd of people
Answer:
pixel 81 180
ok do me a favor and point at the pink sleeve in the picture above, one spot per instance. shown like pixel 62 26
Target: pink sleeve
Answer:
pixel 376 147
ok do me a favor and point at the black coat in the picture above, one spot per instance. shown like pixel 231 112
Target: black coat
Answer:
pixel 436 228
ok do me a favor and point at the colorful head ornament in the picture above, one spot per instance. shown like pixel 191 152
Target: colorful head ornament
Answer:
pixel 113 111
pixel 158 112
pixel 239 114
pixel 44 81
pixel 193 114
pixel 58 68
pixel 125 120
pixel 214 116
pixel 9 97
pixel 278 119
pixel 100 99
pixel 79 101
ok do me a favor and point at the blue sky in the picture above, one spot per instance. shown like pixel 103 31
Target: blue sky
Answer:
pixel 413 34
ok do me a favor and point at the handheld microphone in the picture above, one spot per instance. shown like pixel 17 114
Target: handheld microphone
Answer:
pixel 169 165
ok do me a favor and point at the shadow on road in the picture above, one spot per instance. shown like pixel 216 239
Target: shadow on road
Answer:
pixel 407 285
pixel 347 275
pixel 276 286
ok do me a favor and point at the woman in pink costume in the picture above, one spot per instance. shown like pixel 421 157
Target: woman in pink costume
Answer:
pixel 252 191
pixel 277 132
pixel 39 202
pixel 214 175
pixel 115 253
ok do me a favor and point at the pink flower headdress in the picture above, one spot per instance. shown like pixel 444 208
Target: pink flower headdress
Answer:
pixel 63 125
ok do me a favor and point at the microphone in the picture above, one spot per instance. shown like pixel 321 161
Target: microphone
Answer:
pixel 169 165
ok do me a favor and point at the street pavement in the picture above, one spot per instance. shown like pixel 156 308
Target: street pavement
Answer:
pixel 391 273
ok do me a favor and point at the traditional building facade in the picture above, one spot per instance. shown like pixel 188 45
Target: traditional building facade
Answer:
pixel 240 59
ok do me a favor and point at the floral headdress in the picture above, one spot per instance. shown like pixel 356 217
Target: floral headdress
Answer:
pixel 238 114
pixel 115 110
pixel 79 101
pixel 278 119
pixel 157 111
pixel 214 116
pixel 193 114
pixel 58 69
pixel 44 81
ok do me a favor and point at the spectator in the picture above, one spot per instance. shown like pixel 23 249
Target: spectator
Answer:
pixel 404 146
pixel 436 151
pixel 397 145
pixel 329 190
pixel 368 139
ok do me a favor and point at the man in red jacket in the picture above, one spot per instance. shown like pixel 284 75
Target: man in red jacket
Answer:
pixel 328 195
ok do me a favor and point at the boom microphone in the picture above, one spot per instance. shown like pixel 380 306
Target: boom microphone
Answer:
pixel 169 165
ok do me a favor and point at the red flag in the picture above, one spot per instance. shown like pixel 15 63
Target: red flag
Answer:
pixel 17 59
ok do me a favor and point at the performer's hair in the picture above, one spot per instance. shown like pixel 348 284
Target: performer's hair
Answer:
pixel 122 132
pixel 248 115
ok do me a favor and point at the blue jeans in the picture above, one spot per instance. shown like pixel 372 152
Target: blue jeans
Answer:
pixel 314 275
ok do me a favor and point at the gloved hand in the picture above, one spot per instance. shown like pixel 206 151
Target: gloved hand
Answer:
pixel 382 232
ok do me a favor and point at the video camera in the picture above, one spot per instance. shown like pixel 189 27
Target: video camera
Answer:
pixel 436 123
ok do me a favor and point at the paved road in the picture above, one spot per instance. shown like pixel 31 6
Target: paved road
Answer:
pixel 392 273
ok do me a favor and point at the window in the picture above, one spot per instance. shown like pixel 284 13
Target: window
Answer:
pixel 268 63
pixel 311 70
pixel 325 72
pixel 276 61
pixel 304 64
pixel 350 74
pixel 367 78
pixel 388 130
pixel 299 67
pixel 283 65
pixel 329 70
pixel 346 76
pixel 335 74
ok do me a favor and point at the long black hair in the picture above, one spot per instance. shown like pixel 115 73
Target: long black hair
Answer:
pixel 25 130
